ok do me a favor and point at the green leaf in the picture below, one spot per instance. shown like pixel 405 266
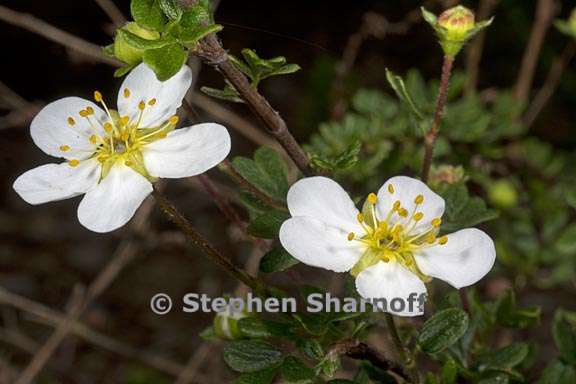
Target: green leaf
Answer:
pixel 463 211
pixel 123 70
pixel 165 61
pixel 449 372
pixel 261 377
pixel 442 330
pixel 267 172
pixel 558 373
pixel 565 337
pixel 253 328
pixel 509 315
pixel 566 243
pixel 277 260
pixel 399 87
pixel 267 225
pixel 312 348
pixel 429 17
pixel 141 43
pixel 227 94
pixel 193 35
pixel 295 371
pixel 171 9
pixel 196 16
pixel 148 14
pixel 251 356
pixel 506 357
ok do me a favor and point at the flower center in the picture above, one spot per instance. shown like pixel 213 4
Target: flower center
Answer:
pixel 395 237
pixel 120 139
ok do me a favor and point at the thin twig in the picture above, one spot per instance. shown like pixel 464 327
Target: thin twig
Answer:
pixel 112 12
pixel 430 138
pixel 476 47
pixel 14 100
pixel 57 35
pixel 550 84
pixel 221 202
pixel 543 19
pixel 400 349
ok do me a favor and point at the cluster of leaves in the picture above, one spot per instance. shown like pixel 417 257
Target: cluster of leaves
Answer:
pixel 256 69
pixel 162 35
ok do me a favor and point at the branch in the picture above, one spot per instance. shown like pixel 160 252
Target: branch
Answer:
pixel 52 33
pixel 544 15
pixel 112 11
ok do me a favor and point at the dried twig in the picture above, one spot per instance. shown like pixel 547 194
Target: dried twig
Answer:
pixel 112 11
pixel 544 15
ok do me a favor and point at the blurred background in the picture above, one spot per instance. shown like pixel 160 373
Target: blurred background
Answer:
pixel 526 173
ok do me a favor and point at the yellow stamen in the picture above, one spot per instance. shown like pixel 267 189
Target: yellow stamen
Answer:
pixel 372 198
pixel 174 120
pixel 419 199
pixel 128 163
pixel 89 111
pixel 97 96
pixel 418 216
pixel 162 135
pixel 436 222
pixel 74 162
pixel 152 102
pixel 124 120
pixel 390 188
pixel 93 139
pixel 141 105
pixel 83 113
pixel 125 135
pixel 108 127
pixel 71 121
pixel 126 93
pixel 351 236
pixel 403 212
pixel 64 148
pixel 396 205
pixel 360 218
pixel 443 240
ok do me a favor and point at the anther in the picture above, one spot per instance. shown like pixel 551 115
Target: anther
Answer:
pixel 89 111
pixel 360 218
pixel 372 198
pixel 174 120
pixel 351 236
pixel 403 212
pixel 418 216
pixel 108 127
pixel 83 113
pixel 64 148
pixel 396 205
pixel 126 93
pixel 74 163
pixel 128 163
pixel 125 136
pixel 124 120
pixel 71 121
pixel 390 188
pixel 93 139
pixel 162 135
pixel 419 199
pixel 443 240
pixel 141 105
pixel 436 222
pixel 151 102
pixel 97 96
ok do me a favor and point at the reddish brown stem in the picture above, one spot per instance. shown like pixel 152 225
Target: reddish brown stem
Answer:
pixel 430 138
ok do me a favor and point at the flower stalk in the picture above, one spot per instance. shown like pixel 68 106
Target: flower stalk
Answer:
pixel 400 349
pixel 207 248
pixel 432 135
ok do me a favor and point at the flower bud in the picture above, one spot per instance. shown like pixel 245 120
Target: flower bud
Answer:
pixel 457 21
pixel 126 52
pixel 572 20
pixel 503 194
pixel 226 323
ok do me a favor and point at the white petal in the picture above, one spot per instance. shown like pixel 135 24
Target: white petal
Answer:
pixel 467 257
pixel 143 85
pixel 50 128
pixel 319 245
pixel 187 151
pixel 52 182
pixel 325 200
pixel 114 201
pixel 405 190
pixel 401 289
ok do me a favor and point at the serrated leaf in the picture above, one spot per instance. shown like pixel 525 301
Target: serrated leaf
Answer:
pixel 442 330
pixel 277 260
pixel 261 377
pixel 251 356
pixel 267 225
pixel 565 337
pixel 399 87
pixel 295 371
pixel 165 61
pixel 141 43
pixel 171 9
pixel 196 16
pixel 148 14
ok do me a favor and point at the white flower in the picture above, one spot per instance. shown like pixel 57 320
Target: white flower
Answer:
pixel 114 156
pixel 392 248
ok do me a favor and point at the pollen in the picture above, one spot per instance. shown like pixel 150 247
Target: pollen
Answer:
pixel 372 198
pixel 89 111
pixel 351 236
pixel 174 120
pixel 108 127
pixel 97 96
pixel 443 240
pixel 360 218
pixel 126 93
pixel 124 120
pixel 396 205
pixel 71 121
pixel 419 199
pixel 403 212
pixel 151 102
pixel 93 139
pixel 436 222
pixel 418 216
pixel 390 188
pixel 64 148
pixel 74 163
pixel 141 105
pixel 83 113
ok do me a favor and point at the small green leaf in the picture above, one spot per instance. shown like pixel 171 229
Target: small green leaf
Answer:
pixel 267 225
pixel 506 357
pixel 295 371
pixel 449 372
pixel 558 373
pixel 509 315
pixel 253 328
pixel 442 330
pixel 171 9
pixel 165 61
pixel 191 36
pixel 141 43
pixel 148 14
pixel 566 243
pixel 429 17
pixel 251 356
pixel 123 70
pixel 312 348
pixel 399 87
pixel 565 337
pixel 261 377
pixel 277 260
pixel 227 94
